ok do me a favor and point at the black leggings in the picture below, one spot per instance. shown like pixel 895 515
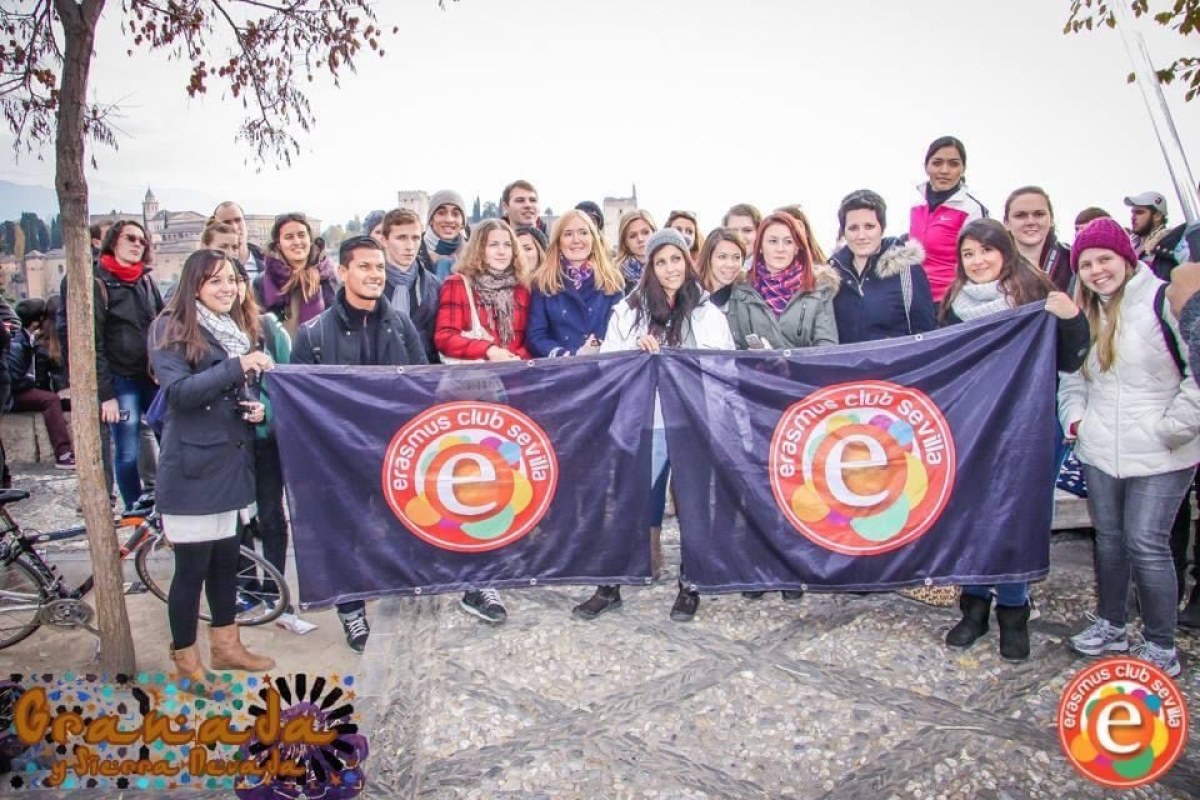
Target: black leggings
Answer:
pixel 213 566
pixel 271 525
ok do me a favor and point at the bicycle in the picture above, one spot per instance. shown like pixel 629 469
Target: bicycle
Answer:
pixel 33 593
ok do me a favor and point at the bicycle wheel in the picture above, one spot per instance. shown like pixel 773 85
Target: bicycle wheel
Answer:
pixel 22 594
pixel 155 563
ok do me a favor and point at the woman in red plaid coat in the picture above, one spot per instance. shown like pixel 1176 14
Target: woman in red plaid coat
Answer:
pixel 497 293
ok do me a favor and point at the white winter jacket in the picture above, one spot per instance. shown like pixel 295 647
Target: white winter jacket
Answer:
pixel 1139 418
pixel 707 329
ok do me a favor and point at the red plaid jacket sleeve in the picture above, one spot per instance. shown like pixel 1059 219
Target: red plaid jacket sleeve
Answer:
pixel 454 317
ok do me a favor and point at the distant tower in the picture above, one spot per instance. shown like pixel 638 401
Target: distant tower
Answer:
pixel 614 208
pixel 149 208
pixel 416 202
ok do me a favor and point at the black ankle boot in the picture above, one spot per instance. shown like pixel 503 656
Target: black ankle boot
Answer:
pixel 1014 632
pixel 974 622
pixel 606 598
pixel 1190 616
pixel 686 603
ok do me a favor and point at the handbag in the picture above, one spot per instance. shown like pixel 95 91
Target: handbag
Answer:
pixel 1070 472
pixel 156 414
pixel 476 331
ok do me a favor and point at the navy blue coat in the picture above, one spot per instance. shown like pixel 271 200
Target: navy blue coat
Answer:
pixel 206 458
pixel 870 306
pixel 559 324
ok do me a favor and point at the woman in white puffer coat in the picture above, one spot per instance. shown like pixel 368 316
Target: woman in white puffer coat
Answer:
pixel 1135 410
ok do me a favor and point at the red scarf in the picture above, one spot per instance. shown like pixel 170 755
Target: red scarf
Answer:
pixel 127 273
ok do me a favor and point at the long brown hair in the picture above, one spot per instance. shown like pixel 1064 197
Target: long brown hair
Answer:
pixel 182 326
pixel 50 331
pixel 471 264
pixel 704 266
pixel 308 278
pixel 1020 281
pixel 1103 319
pixel 548 278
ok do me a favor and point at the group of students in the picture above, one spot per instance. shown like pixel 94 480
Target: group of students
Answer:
pixel 415 291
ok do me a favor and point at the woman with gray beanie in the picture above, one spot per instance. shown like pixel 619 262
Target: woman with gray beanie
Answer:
pixel 667 309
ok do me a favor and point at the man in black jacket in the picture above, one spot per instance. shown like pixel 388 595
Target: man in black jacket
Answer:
pixel 360 329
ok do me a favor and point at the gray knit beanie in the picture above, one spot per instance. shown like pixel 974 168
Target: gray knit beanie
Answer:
pixel 661 237
pixel 446 197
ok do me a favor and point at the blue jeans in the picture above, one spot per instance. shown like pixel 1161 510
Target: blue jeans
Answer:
pixel 135 396
pixel 1133 518
pixel 1008 595
pixel 660 468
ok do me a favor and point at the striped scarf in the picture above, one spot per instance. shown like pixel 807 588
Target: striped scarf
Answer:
pixel 778 288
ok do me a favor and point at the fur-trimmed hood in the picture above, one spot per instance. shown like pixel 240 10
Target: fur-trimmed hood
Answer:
pixel 826 279
pixel 896 252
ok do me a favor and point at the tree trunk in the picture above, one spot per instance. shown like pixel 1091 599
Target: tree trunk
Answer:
pixel 79 32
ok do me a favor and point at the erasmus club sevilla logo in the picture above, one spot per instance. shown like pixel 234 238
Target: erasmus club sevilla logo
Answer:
pixel 470 476
pixel 862 468
pixel 1122 722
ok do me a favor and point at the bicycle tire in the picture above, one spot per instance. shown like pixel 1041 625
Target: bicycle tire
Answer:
pixel 14 572
pixel 158 579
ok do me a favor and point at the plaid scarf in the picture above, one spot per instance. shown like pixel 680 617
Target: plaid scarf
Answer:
pixel 578 276
pixel 777 288
pixel 496 293
pixel 232 338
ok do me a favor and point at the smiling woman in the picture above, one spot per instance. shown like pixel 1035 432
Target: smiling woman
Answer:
pixel 298 281
pixel 945 208
pixel 202 348
pixel 1029 216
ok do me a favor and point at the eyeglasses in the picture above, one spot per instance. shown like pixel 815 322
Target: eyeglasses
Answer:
pixel 138 240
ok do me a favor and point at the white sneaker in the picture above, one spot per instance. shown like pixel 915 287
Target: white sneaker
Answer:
pixel 294 624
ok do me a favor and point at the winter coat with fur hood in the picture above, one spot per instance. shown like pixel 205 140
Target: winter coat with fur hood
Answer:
pixel 870 304
pixel 808 319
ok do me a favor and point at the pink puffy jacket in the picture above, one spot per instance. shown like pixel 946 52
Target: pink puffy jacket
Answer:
pixel 937 231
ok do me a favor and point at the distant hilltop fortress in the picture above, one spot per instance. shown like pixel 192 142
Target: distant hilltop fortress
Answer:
pixel 176 235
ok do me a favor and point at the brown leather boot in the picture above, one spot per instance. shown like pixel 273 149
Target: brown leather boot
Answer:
pixel 188 664
pixel 228 652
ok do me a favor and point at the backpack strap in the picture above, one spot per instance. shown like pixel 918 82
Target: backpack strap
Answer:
pixel 906 291
pixel 1160 307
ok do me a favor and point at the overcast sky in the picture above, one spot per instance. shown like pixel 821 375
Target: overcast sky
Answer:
pixel 703 103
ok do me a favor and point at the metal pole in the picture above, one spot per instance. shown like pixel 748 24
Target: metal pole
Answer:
pixel 1156 104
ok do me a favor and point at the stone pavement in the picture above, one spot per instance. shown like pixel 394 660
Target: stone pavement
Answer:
pixel 836 696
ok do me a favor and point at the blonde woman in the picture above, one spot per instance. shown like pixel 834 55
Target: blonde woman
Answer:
pixel 573 292
pixel 632 235
pixel 1134 410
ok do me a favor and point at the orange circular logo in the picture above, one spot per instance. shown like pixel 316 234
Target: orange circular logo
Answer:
pixel 862 468
pixel 470 477
pixel 1122 722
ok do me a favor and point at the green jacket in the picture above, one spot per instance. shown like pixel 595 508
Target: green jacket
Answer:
pixel 279 345
pixel 807 320
pixel 748 313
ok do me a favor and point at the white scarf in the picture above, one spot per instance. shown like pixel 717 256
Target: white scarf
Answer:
pixel 978 300
pixel 232 338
